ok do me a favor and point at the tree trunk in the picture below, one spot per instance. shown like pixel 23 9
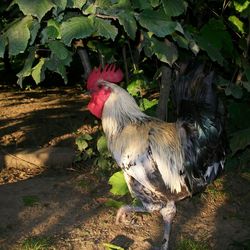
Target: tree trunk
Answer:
pixel 165 85
pixel 82 52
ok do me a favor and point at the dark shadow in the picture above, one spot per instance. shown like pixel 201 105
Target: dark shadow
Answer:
pixel 122 241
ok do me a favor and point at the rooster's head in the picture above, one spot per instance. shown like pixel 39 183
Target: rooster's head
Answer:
pixel 96 85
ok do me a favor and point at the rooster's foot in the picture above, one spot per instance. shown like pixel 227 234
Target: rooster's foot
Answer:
pixel 124 211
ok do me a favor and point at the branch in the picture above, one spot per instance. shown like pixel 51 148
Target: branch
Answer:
pixel 106 17
pixel 82 52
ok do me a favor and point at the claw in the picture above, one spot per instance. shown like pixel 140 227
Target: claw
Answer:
pixel 122 214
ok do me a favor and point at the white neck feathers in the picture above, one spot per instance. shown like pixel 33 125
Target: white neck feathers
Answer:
pixel 120 109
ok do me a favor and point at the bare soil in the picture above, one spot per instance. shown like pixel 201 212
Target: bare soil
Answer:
pixel 68 202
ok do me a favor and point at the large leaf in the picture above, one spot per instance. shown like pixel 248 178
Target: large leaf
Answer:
pixel 33 31
pixel 240 140
pixel 118 183
pixel 37 8
pixel 60 4
pixel 173 7
pixel 27 68
pixel 18 35
pixel 77 3
pixel 215 40
pixel 105 28
pixel 59 66
pixel 52 31
pixel 234 90
pixel 59 49
pixel 165 51
pixel 158 23
pixel 75 28
pixel 38 71
pixel 127 20
pixel 142 4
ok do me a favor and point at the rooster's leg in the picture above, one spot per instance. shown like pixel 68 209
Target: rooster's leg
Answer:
pixel 168 214
pixel 125 210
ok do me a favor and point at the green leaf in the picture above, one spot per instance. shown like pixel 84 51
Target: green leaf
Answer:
pixel 109 246
pixel 105 28
pixel 38 71
pixel 215 40
pixel 235 91
pixel 241 5
pixel 147 104
pixel 56 65
pixel 246 85
pixel 103 4
pixel 134 88
pixel 118 183
pixel 2 45
pixel 141 4
pixel 103 163
pixel 18 35
pixel 121 4
pixel 240 140
pixel 102 145
pixel 37 9
pixel 27 68
pixel 157 22
pixel 155 3
pixel 237 23
pixel 181 41
pixel 247 71
pixel 60 4
pixel 127 20
pixel 52 31
pixel 213 52
pixel 33 31
pixel 78 3
pixel 236 119
pixel 165 51
pixel 173 7
pixel 81 143
pixel 75 28
pixel 59 49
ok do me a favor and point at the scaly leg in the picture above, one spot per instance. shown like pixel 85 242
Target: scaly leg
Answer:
pixel 168 214
pixel 125 210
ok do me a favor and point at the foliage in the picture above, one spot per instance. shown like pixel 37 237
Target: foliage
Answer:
pixel 109 246
pixel 95 148
pixel 30 200
pixel 188 244
pixel 118 183
pixel 37 243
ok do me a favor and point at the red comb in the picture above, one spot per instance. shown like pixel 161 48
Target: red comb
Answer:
pixel 109 73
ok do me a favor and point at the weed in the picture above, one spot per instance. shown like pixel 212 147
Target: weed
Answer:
pixel 37 243
pixel 189 244
pixel 30 200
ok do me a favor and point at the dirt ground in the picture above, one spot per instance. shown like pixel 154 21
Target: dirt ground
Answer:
pixel 66 204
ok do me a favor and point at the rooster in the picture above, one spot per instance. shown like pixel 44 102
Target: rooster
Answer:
pixel 162 162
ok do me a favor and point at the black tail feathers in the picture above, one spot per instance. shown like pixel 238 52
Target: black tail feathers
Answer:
pixel 200 116
pixel 194 94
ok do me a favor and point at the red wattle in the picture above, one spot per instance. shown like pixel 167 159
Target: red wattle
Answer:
pixel 97 101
